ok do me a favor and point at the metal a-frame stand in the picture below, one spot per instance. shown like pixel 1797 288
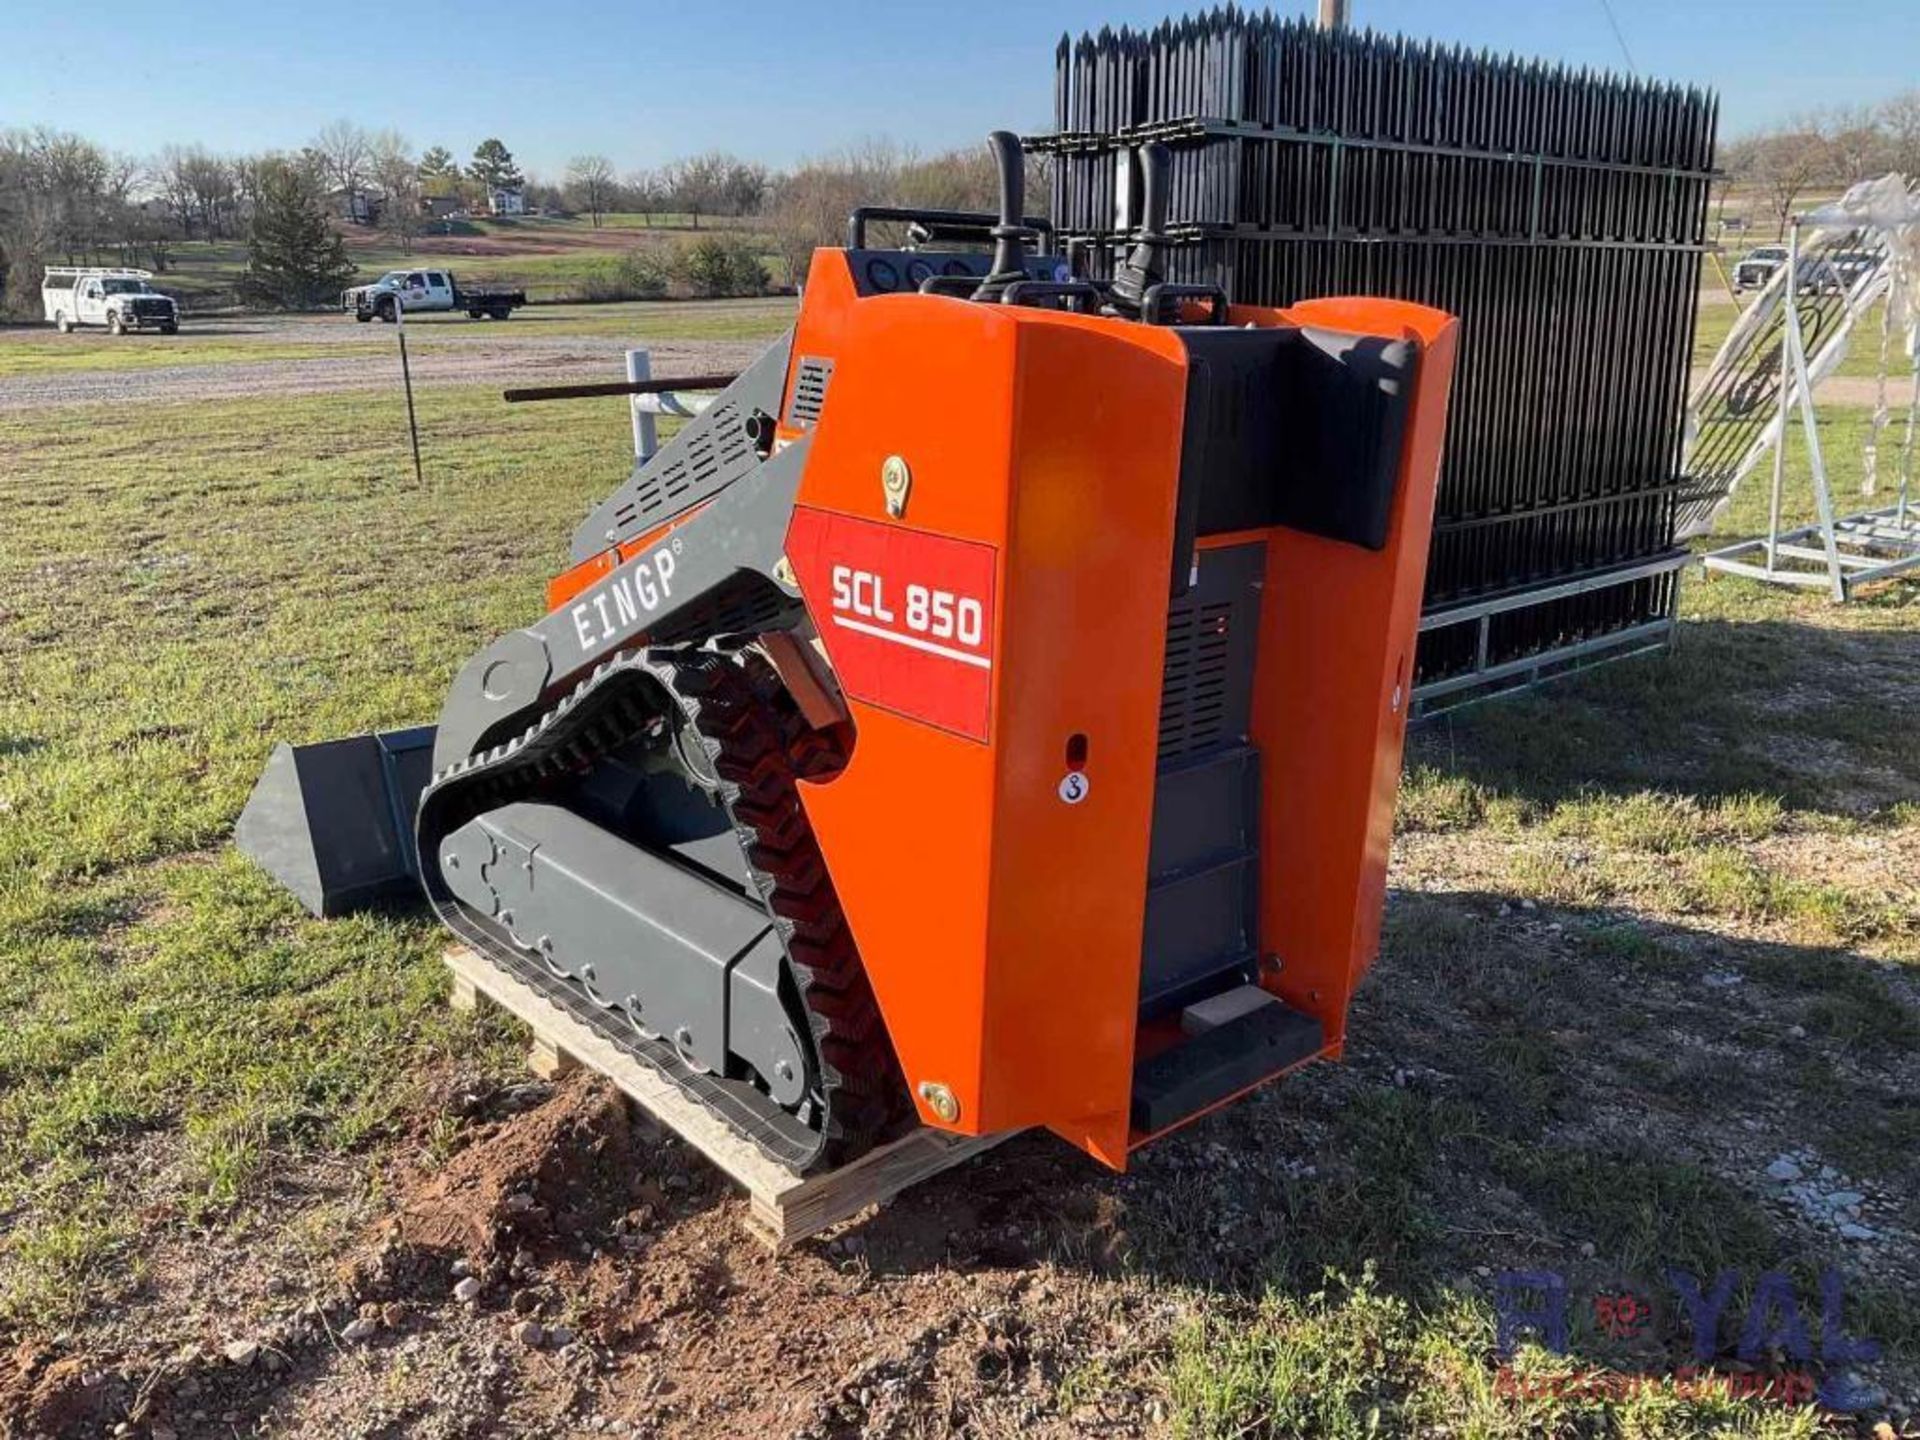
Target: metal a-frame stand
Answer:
pixel 1839 555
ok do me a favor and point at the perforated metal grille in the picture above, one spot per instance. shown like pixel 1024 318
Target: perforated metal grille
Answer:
pixel 1193 693
pixel 712 457
pixel 747 605
pixel 1206 688
pixel 809 391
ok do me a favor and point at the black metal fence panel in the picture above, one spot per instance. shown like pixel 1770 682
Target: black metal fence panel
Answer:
pixel 1560 214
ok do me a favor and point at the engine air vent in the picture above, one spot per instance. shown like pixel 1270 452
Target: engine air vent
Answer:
pixel 809 391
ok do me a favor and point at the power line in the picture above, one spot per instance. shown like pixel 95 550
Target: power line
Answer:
pixel 1607 5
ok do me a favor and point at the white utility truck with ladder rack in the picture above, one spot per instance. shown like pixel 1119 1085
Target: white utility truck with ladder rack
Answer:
pixel 121 300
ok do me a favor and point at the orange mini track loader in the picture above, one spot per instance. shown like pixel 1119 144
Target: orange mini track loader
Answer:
pixel 988 712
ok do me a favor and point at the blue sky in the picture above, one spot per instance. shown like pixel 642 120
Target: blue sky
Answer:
pixel 642 81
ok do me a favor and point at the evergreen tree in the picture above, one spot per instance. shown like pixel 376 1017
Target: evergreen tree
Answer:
pixel 437 164
pixel 294 257
pixel 439 172
pixel 493 165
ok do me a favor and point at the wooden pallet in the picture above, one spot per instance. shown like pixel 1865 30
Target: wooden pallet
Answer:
pixel 783 1208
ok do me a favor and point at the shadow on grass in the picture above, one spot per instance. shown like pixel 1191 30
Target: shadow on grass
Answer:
pixel 1795 711
pixel 1523 1092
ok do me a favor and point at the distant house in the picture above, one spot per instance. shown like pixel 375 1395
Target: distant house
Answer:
pixel 356 207
pixel 506 200
pixel 439 207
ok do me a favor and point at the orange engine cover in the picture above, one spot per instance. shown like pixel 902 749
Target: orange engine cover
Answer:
pixel 984 537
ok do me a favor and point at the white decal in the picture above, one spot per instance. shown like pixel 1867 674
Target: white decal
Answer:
pixel 634 590
pixel 913 642
pixel 1073 787
pixel 934 614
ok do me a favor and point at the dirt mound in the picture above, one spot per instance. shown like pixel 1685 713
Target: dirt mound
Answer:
pixel 562 1169
pixel 42 1396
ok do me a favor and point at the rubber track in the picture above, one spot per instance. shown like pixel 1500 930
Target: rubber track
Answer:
pixel 758 745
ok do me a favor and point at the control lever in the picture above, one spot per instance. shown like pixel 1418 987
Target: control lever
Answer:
pixel 1009 235
pixel 1145 265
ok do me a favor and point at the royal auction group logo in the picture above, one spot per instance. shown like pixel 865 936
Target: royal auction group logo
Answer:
pixel 1768 1336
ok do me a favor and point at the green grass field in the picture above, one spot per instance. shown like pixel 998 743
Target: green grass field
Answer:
pixel 549 258
pixel 184 586
pixel 1863 348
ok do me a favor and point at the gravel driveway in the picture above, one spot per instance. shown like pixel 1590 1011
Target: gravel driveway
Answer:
pixel 442 353
pixel 529 362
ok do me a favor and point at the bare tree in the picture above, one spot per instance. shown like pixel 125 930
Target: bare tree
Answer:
pixel 590 185
pixel 1899 121
pixel 393 167
pixel 345 154
pixel 1781 164
pixel 809 207
pixel 705 184
pixel 646 192
pixel 215 192
pixel 1857 146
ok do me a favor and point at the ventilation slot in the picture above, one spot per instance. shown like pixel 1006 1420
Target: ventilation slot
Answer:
pixel 1193 694
pixel 715 451
pixel 809 391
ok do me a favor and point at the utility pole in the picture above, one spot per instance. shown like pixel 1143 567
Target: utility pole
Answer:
pixel 1333 14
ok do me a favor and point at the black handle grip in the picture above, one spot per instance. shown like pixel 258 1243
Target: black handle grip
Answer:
pixel 1009 238
pixel 1158 296
pixel 1156 161
pixel 1032 292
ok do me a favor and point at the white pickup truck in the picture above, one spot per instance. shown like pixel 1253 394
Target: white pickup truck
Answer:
pixel 413 291
pixel 121 300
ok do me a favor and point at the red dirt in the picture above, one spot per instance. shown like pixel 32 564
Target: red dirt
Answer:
pixel 943 1312
pixel 44 1396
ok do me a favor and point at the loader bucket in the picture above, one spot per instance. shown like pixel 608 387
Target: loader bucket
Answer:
pixel 333 822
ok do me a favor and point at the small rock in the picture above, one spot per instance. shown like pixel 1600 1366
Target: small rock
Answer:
pixel 243 1352
pixel 1796 1032
pixel 460 1268
pixel 358 1330
pixel 393 1315
pixel 518 1203
pixel 1783 1170
pixel 560 1336
pixel 1721 979
pixel 1586 1249
pixel 1504 911
pixel 1845 1200
pixel 1855 1231
pixel 467 1291
pixel 1528 905
pixel 529 1333
pixel 123 1428
pixel 1850 1393
pixel 677 1182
